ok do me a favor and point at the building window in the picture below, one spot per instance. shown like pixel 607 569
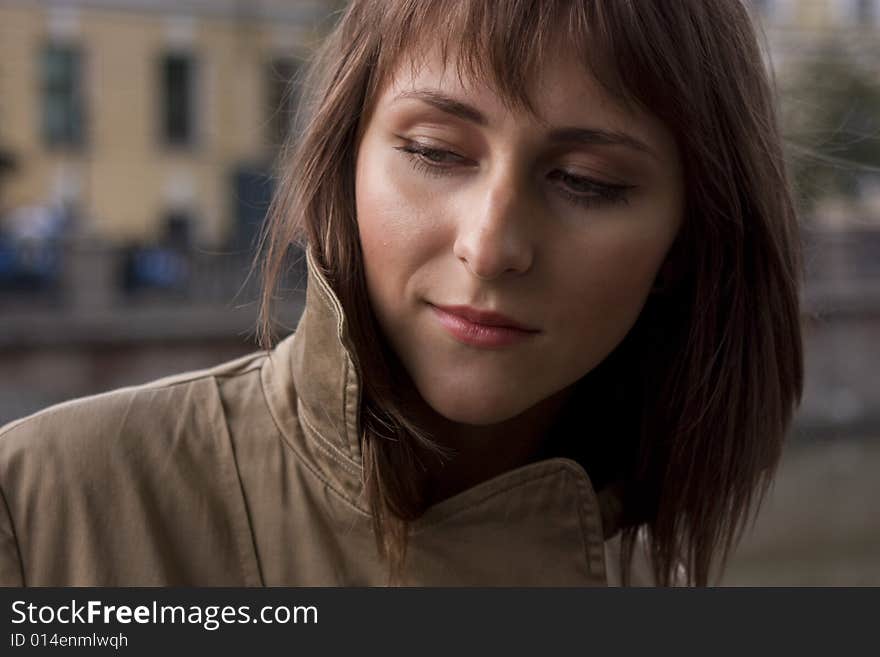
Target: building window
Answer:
pixel 282 101
pixel 178 99
pixel 63 107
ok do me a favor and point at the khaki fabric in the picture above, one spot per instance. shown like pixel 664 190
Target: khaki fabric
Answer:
pixel 249 474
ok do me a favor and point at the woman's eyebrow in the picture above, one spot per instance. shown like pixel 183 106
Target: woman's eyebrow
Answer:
pixel 446 104
pixel 580 136
pixel 599 137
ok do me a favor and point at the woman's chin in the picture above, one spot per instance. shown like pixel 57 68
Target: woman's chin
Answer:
pixel 474 409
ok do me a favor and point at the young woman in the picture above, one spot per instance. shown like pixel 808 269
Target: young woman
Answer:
pixel 551 334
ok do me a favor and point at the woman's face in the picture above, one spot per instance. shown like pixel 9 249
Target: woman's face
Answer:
pixel 507 255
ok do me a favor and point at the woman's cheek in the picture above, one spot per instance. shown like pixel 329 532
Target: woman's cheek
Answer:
pixel 379 201
pixel 394 231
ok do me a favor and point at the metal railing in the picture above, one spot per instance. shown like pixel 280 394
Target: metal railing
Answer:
pixel 842 275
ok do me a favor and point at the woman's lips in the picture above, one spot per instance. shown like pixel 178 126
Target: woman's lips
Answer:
pixel 480 328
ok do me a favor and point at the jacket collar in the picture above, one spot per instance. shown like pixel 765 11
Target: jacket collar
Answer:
pixel 324 402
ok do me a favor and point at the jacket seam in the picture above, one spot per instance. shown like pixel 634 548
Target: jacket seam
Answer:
pixel 325 445
pixel 14 535
pixel 302 459
pixel 329 484
pixel 345 399
pixel 250 541
pixel 351 409
pixel 330 299
pixel 585 534
pixel 133 389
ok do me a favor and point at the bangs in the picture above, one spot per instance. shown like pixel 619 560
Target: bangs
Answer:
pixel 502 44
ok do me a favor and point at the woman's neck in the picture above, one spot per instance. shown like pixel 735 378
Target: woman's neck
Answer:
pixel 480 453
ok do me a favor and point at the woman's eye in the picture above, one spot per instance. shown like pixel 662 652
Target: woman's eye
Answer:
pixel 588 191
pixel 579 190
pixel 433 161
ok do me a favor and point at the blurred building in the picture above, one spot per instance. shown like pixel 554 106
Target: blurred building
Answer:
pixel 793 25
pixel 819 14
pixel 147 120
pixel 826 54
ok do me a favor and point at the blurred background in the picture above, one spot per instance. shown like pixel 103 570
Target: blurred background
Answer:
pixel 137 139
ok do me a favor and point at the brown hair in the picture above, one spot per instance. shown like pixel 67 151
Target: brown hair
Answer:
pixel 714 363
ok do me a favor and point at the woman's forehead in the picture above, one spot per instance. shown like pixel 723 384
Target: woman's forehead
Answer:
pixel 553 83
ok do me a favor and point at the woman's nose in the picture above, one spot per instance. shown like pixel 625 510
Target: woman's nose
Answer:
pixel 494 235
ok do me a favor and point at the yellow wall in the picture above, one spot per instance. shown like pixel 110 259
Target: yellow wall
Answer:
pixel 128 179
